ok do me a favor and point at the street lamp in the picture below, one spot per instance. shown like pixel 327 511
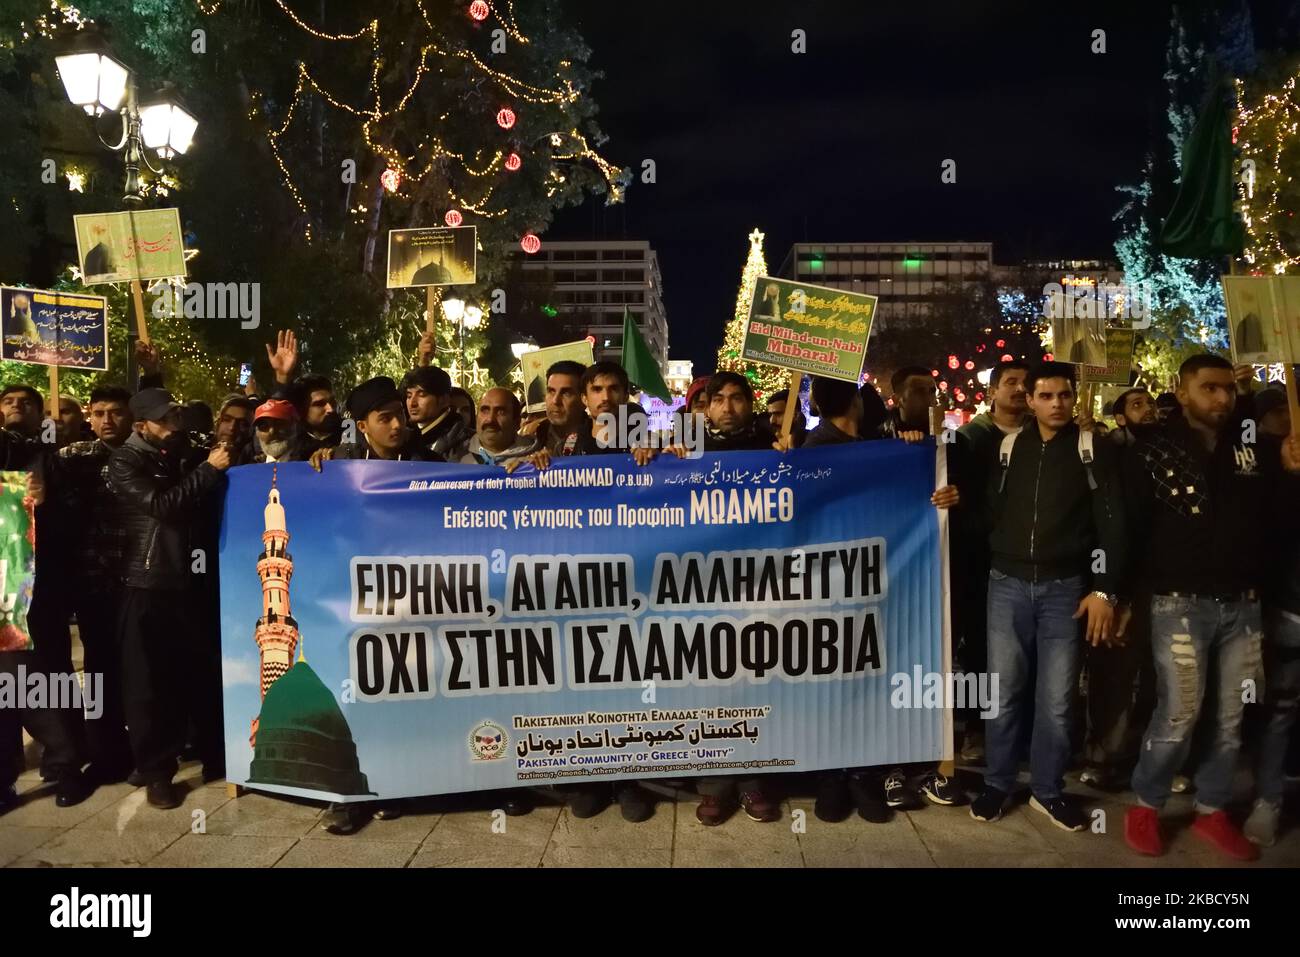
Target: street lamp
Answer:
pixel 100 84
pixel 453 309
pixel 520 349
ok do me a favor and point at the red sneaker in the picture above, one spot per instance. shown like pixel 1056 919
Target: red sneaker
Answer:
pixel 1142 831
pixel 1217 829
pixel 712 811
pixel 759 807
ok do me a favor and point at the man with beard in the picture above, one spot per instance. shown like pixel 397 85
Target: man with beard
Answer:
pixel 72 422
pixel 313 400
pixel 100 547
pixel 1207 495
pixel 233 429
pixel 462 403
pixel 163 491
pixel 497 440
pixel 732 425
pixel 776 417
pixel 1132 410
pixel 276 424
pixel 60 730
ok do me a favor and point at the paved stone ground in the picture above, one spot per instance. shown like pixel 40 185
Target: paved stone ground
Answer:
pixel 116 828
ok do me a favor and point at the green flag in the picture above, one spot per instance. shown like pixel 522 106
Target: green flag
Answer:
pixel 1202 223
pixel 639 363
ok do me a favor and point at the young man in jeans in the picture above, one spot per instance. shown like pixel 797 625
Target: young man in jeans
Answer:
pixel 1057 548
pixel 1206 493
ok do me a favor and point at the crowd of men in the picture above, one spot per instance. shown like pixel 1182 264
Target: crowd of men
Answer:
pixel 1161 561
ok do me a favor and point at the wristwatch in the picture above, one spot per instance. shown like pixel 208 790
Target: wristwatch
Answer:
pixel 1111 600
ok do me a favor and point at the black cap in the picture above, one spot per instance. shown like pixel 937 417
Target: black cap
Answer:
pixel 370 395
pixel 152 405
pixel 429 378
pixel 1266 400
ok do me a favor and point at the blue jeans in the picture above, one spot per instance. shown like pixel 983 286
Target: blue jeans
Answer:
pixel 1033 624
pixel 1281 701
pixel 1192 639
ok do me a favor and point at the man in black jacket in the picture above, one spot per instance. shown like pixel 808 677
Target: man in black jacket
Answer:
pixel 732 425
pixel 99 548
pixel 164 492
pixel 380 415
pixel 1057 551
pixel 428 408
pixel 1205 493
pixel 59 730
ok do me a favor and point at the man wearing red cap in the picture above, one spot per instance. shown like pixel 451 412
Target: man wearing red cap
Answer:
pixel 276 423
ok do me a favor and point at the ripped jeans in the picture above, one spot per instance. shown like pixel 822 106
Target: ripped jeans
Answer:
pixel 1191 640
pixel 1281 703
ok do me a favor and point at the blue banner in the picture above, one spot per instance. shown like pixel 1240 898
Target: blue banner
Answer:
pixel 393 629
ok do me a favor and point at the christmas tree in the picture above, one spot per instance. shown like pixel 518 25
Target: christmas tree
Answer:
pixel 764 379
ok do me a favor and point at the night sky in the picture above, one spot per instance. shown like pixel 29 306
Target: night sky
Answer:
pixel 844 143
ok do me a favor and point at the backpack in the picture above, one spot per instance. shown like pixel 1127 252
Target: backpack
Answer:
pixel 1085 456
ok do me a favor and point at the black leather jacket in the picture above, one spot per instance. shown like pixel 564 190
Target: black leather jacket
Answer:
pixel 162 503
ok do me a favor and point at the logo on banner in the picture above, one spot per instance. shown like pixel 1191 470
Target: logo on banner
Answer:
pixel 488 742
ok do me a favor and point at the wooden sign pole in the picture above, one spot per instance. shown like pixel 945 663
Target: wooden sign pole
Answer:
pixel 1292 398
pixel 54 392
pixel 430 320
pixel 141 329
pixel 791 403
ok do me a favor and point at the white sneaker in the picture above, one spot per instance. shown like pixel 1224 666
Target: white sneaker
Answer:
pixel 1261 827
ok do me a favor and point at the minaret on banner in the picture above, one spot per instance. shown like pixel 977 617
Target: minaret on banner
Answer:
pixel 277 632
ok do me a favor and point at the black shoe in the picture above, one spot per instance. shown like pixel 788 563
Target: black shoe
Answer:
pixel 1063 812
pixel 989 805
pixel 162 795
pixel 896 789
pixel 48 776
pixel 213 772
pixel 633 800
pixel 341 819
pixel 834 803
pixel 388 812
pixel 72 789
pixel 517 803
pixel 8 800
pixel 867 792
pixel 137 780
pixel 588 800
pixel 937 789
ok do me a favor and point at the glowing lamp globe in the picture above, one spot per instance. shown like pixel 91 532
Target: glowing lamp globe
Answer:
pixel 513 162
pixel 390 179
pixel 453 217
pixel 479 10
pixel 530 243
pixel 505 118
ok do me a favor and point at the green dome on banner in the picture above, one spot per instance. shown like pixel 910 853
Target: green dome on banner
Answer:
pixel 303 740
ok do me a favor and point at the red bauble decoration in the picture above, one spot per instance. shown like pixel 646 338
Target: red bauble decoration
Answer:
pixel 453 217
pixel 1048 357
pixel 505 118
pixel 1001 343
pixel 1007 357
pixel 979 396
pixel 513 162
pixel 479 10
pixel 935 373
pixel 970 364
pixel 530 243
pixel 591 339
pixel 391 179
pixel 952 362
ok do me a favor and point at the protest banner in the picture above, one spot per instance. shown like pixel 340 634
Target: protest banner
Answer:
pixel 1118 367
pixel 436 256
pixel 134 245
pixel 52 328
pixel 1080 339
pixel 1256 329
pixel 17 561
pixel 534 365
pixel 457 628
pixel 817 330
